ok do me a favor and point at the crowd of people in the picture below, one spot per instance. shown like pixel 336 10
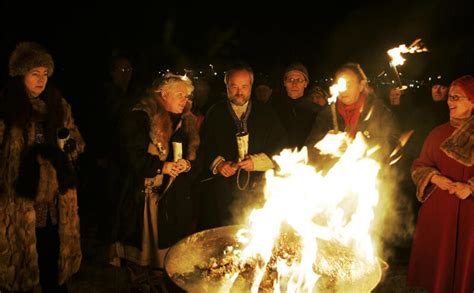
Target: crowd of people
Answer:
pixel 170 157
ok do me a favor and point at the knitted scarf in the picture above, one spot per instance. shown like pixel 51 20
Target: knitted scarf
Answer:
pixel 351 114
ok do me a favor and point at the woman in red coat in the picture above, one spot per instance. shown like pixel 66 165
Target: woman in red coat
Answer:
pixel 442 256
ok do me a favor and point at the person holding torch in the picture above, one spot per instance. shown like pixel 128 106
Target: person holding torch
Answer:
pixel 355 110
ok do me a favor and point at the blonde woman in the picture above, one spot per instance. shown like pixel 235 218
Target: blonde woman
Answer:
pixel 149 169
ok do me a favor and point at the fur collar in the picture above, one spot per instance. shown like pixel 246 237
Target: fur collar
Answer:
pixel 459 146
pixel 161 128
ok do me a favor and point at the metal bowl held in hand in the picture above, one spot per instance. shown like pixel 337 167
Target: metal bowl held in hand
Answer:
pixel 188 263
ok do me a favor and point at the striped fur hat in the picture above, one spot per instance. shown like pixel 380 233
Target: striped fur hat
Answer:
pixel 28 55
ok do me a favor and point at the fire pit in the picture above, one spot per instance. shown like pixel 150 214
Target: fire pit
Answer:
pixel 313 234
pixel 203 262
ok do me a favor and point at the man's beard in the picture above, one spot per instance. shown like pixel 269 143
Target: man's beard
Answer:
pixel 239 100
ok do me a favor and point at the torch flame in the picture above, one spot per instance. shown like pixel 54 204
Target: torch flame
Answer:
pixel 395 53
pixel 336 89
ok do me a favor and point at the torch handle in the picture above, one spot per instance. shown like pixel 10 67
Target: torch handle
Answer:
pixel 334 118
pixel 399 81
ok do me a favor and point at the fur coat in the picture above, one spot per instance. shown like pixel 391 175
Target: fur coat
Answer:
pixel 18 256
pixel 145 133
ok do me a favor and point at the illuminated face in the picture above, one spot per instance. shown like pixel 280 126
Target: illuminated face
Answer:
pixel 460 106
pixel 35 80
pixel 175 99
pixel 354 87
pixel 239 87
pixel 394 96
pixel 439 92
pixel 318 99
pixel 295 83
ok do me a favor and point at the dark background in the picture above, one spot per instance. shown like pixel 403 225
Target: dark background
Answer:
pixel 323 35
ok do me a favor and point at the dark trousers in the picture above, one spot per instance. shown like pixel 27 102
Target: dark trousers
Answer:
pixel 47 246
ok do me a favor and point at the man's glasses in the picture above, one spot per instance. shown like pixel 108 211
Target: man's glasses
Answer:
pixel 126 69
pixel 295 80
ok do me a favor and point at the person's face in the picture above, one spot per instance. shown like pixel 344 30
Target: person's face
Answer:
pixel 263 93
pixel 122 72
pixel 319 99
pixel 295 83
pixel 35 80
pixel 175 99
pixel 439 92
pixel 460 106
pixel 354 87
pixel 239 87
pixel 394 96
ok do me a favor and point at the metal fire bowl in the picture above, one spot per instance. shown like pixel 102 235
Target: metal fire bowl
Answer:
pixel 196 250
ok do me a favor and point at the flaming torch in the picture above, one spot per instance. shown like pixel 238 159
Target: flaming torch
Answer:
pixel 397 59
pixel 335 89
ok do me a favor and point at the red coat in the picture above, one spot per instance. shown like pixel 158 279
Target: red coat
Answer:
pixel 442 255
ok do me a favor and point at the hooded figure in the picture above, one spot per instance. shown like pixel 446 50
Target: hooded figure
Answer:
pixel 39 224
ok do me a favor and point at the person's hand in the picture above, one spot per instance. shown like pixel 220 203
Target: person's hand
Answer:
pixel 226 169
pixel 246 164
pixel 442 182
pixel 171 168
pixel 183 165
pixel 462 190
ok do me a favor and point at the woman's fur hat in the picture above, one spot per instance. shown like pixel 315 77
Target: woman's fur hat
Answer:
pixel 28 55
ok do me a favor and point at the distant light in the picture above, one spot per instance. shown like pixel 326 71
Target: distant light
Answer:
pixel 412 85
pixel 429 78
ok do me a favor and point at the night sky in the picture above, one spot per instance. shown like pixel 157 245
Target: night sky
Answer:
pixel 82 35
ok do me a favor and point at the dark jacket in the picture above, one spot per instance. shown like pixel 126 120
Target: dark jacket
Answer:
pixel 218 138
pixel 297 117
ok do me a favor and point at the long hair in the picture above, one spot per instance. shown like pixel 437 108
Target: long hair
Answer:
pixel 16 109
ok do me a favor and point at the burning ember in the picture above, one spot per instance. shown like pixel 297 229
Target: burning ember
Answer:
pixel 312 234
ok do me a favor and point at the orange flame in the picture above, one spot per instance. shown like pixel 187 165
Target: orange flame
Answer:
pixel 395 53
pixel 345 197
